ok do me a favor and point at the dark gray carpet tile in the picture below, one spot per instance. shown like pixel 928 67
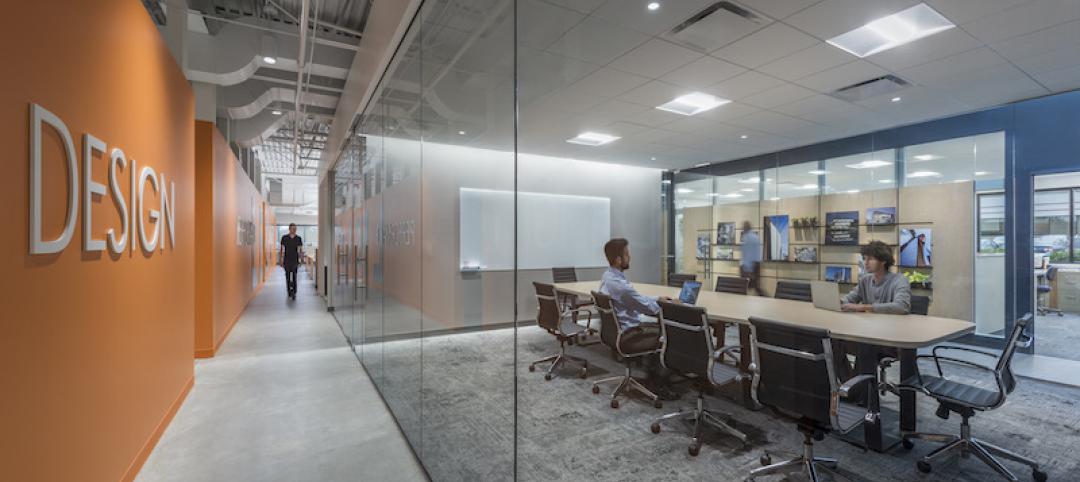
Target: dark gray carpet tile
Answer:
pixel 465 404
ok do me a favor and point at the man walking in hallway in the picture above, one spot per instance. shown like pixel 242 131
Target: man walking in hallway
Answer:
pixel 292 249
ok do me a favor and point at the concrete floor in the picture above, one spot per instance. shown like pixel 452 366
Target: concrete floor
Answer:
pixel 284 399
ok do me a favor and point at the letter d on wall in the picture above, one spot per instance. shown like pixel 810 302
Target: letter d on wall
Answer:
pixel 38 115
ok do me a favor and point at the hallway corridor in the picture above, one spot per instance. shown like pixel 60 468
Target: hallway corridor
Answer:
pixel 283 400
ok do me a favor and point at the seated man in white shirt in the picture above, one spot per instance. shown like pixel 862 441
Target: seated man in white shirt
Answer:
pixel 635 312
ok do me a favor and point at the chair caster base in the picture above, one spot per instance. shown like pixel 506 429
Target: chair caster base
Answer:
pixel 614 404
pixel 694 449
pixel 654 428
pixel 907 444
pixel 923 466
pixel 1038 475
pixel 595 389
pixel 765 460
pixel 658 404
pixel 547 376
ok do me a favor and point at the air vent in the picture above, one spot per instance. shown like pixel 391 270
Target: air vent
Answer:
pixel 716 26
pixel 880 86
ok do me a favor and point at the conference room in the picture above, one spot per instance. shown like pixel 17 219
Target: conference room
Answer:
pixel 749 152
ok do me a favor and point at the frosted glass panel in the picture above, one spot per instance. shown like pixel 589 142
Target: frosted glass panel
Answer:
pixel 562 230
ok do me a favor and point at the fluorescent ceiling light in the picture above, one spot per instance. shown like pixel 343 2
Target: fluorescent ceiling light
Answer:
pixel 956 181
pixel 871 164
pixel 747 189
pixel 926 157
pixel 593 139
pixel 461 133
pixel 808 186
pixel 654 6
pixel 754 180
pixel 713 194
pixel 774 199
pixel 981 173
pixel 666 181
pixel 732 195
pixel 895 99
pixel 683 190
pixel 852 191
pixel 270 60
pixel 701 165
pixel 886 181
pixel 744 136
pixel 275 112
pixel 892 31
pixel 818 172
pixel 694 103
pixel 924 174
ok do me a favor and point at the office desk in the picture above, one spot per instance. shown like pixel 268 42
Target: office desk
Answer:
pixel 906 333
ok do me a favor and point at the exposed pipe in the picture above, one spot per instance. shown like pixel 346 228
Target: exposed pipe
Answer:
pixel 300 63
pixel 307 80
pixel 318 40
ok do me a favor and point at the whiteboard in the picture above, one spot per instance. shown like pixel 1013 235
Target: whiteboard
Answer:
pixel 554 230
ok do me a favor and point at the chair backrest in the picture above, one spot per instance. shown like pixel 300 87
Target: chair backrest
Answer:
pixel 920 305
pixel 564 275
pixel 1051 273
pixel 731 284
pixel 791 290
pixel 795 369
pixel 609 325
pixel 677 279
pixel 1018 337
pixel 687 339
pixel 548 314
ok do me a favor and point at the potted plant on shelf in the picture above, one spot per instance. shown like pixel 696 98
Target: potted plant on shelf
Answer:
pixel 917 280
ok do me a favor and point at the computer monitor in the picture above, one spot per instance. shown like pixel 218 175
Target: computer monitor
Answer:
pixel 689 293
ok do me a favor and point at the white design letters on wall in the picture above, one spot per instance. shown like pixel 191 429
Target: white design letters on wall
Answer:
pixel 163 217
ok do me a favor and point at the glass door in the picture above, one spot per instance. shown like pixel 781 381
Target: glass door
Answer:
pixel 1056 252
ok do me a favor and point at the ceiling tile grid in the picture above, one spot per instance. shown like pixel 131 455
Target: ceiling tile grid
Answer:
pixel 780 74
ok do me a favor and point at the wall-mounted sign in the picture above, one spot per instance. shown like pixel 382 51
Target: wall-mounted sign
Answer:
pixel 163 215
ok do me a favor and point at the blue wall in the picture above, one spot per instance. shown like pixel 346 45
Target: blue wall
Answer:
pixel 1042 136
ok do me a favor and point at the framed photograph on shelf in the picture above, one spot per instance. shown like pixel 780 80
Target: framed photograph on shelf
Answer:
pixel 725 252
pixel 916 247
pixel 804 254
pixel 880 216
pixel 725 234
pixel 702 245
pixel 838 274
pixel 776 237
pixel 842 228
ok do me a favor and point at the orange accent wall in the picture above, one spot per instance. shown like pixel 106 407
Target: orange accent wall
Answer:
pixel 228 272
pixel 96 351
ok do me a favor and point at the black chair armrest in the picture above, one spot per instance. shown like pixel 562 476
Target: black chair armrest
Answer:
pixel 963 348
pixel 731 351
pixel 846 388
pixel 938 358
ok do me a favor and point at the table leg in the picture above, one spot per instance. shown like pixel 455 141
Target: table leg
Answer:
pixel 908 368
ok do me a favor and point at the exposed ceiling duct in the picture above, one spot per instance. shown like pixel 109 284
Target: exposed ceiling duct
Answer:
pixel 280 66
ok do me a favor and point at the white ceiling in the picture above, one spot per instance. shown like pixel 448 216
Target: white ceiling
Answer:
pixel 604 65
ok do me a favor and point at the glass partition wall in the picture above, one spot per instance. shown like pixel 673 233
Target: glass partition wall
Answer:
pixel 939 205
pixel 511 137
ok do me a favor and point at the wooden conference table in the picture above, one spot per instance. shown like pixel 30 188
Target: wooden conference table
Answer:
pixel 907 333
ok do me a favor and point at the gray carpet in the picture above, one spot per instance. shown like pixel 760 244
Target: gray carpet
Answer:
pixel 454 396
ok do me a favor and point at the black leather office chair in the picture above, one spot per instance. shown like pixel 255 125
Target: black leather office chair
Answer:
pixel 688 350
pixel 796 378
pixel 792 290
pixel 920 305
pixel 555 321
pixel 966 399
pixel 731 284
pixel 627 346
pixel 1044 290
pixel 676 280
pixel 570 301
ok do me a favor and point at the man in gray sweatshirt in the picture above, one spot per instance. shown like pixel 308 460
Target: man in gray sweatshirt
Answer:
pixel 878 291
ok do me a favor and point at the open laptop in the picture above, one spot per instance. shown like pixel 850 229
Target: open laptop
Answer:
pixel 689 293
pixel 825 295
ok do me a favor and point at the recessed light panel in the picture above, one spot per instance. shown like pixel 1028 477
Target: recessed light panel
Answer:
pixel 918 174
pixel 892 31
pixel 691 104
pixel 871 164
pixel 593 139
